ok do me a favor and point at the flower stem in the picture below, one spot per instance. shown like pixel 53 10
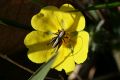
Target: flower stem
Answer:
pixel 102 6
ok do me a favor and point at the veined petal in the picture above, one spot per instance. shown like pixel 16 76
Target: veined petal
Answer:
pixel 71 20
pixel 68 65
pixel 80 48
pixel 46 20
pixel 38 44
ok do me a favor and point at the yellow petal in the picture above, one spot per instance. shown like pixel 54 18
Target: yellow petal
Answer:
pixel 37 56
pixel 65 20
pixel 68 65
pixel 67 7
pixel 46 20
pixel 38 44
pixel 71 20
pixel 81 47
pixel 52 19
pixel 63 52
pixel 79 22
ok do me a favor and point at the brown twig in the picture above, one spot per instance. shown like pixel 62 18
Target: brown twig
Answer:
pixel 15 63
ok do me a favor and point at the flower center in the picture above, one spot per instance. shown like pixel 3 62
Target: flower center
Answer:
pixel 62 37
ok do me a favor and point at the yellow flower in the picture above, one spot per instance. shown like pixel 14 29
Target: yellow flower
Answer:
pixel 58 27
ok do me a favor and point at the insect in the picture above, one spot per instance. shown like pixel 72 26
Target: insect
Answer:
pixel 57 41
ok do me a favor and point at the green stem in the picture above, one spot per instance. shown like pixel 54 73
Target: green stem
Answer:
pixel 102 6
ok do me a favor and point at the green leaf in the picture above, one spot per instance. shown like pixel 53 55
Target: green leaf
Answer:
pixel 41 73
pixel 98 6
pixel 102 6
